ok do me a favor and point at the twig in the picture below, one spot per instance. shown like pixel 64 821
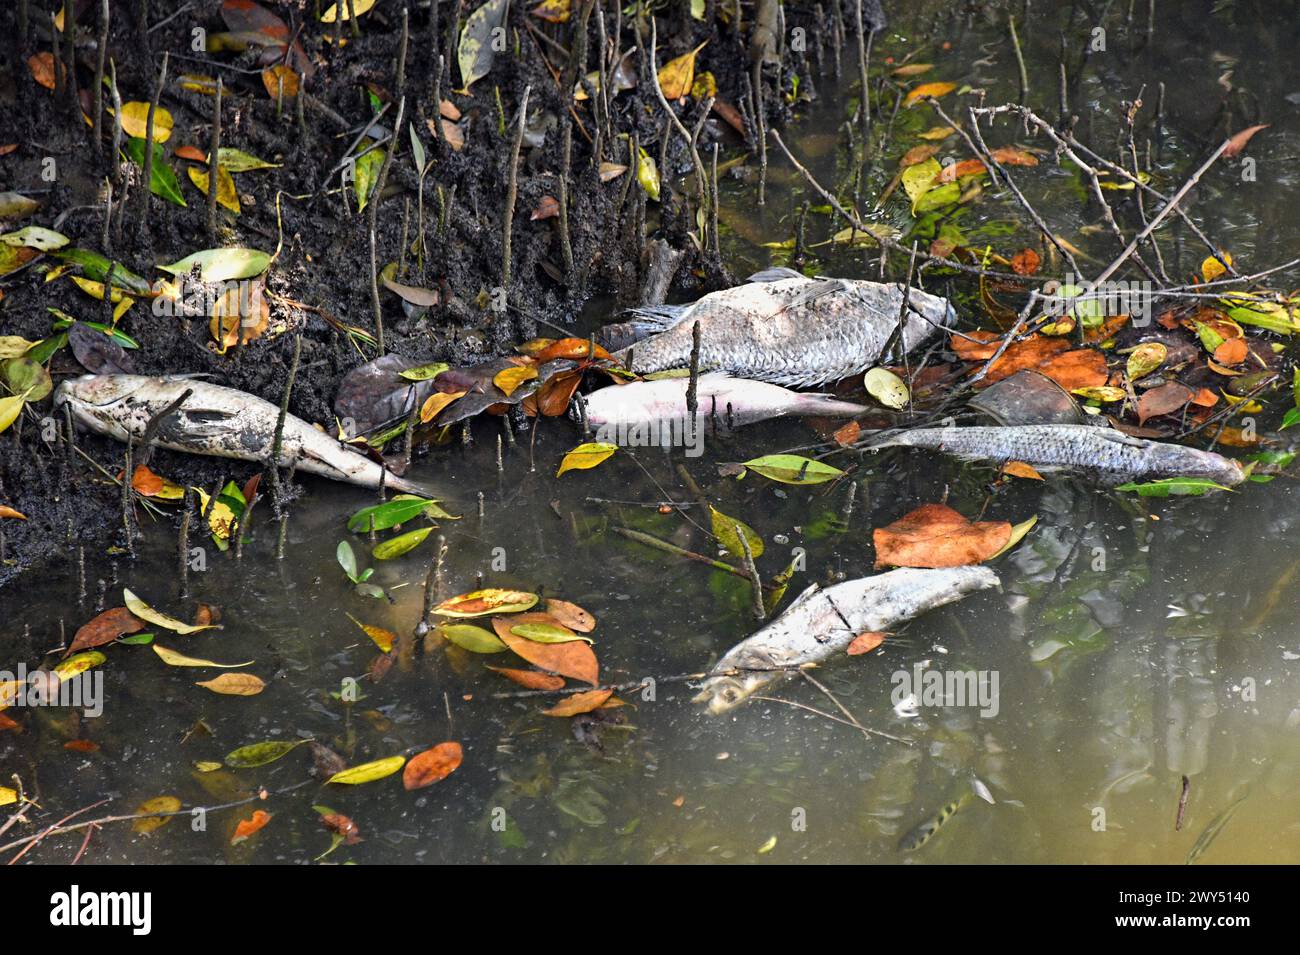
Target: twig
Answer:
pixel 512 190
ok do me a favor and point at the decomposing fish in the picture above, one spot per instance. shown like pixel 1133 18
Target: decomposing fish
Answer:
pixel 1107 456
pixel 823 622
pixel 216 421
pixel 923 833
pixel 730 401
pixel 788 329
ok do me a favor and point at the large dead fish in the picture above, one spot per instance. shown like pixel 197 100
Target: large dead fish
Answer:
pixel 731 401
pixel 823 622
pixel 1107 456
pixel 786 328
pixel 216 421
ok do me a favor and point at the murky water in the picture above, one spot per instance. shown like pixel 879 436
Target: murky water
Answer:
pixel 1134 642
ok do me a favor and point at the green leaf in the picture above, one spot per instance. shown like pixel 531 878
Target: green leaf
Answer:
pixel 425 372
pixel 259 754
pixel 236 160
pixel 23 376
pixel 936 198
pixel 221 265
pixel 417 151
pixel 1291 417
pixel 137 640
pixel 403 508
pixel 919 178
pixel 1266 315
pixel 724 529
pixel 44 350
pixel 1192 487
pixel 474 52
pixel 369 772
pixel 95 267
pixel 793 469
pixel 162 178
pixel 401 544
pixel 365 175
pixel 472 638
pixel 347 560
pixel 547 633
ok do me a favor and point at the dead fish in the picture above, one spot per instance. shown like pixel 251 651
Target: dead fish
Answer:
pixel 926 831
pixel 216 421
pixel 788 329
pixel 1211 832
pixel 823 622
pixel 730 401
pixel 1106 456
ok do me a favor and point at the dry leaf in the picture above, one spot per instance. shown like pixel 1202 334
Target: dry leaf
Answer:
pixel 432 765
pixel 548 208
pixel 280 79
pixel 866 642
pixel 249 826
pixel 105 628
pixel 532 679
pixel 579 703
pixel 934 535
pixel 234 684
pixel 571 615
pixel 1235 145
pixel 678 75
pixel 434 404
pixel 934 90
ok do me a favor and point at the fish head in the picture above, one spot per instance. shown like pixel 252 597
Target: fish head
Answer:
pixel 724 693
pixel 1176 460
pixel 97 401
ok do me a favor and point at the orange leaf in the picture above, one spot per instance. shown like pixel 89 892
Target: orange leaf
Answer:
pixel 10 724
pixel 570 348
pixel 434 404
pixel 1011 156
pixel 1231 352
pixel 934 535
pixel 1021 470
pixel 553 398
pixel 847 434
pixel 967 167
pixel 571 615
pixel 81 746
pixel 42 67
pixel 928 89
pixel 917 154
pixel 1205 398
pixel 280 78
pixel 548 208
pixel 191 152
pixel 1235 145
pixel 434 764
pixel 866 642
pixel 1025 262
pixel 7 511
pixel 574 659
pixel 248 827
pixel 532 679
pixel 579 703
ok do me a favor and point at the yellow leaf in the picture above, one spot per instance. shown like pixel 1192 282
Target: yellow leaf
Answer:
pixel 434 404
pixel 937 133
pixel 12 346
pixel 145 612
pixel 511 378
pixel 928 89
pixel 586 456
pixel 135 117
pixel 155 805
pixel 280 80
pixel 174 659
pixel 7 796
pixel 1212 268
pixel 96 289
pixel 369 772
pixel 677 76
pixel 1021 470
pixel 383 638
pixel 226 194
pixel 9 408
pixel 79 664
pixel 358 7
pixel 234 684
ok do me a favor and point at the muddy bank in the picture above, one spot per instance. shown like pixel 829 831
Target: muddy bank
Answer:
pixel 319 282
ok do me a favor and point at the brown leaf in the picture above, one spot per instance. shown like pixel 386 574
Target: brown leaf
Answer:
pixel 191 153
pixel 866 642
pixel 553 398
pixel 1011 156
pixel 1205 398
pixel 1021 470
pixel 1235 145
pixel 234 684
pixel 917 154
pixel 934 535
pixel 1231 352
pixel 7 511
pixel 6 723
pixel 571 615
pixel 548 208
pixel 341 824
pixel 967 167
pixel 847 434
pixel 575 659
pixel 280 79
pixel 1165 399
pixel 532 679
pixel 579 703
pixel 730 115
pixel 1025 262
pixel 105 628
pixel 434 764
pixel 42 67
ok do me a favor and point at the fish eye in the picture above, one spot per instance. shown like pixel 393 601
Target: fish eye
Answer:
pixel 730 694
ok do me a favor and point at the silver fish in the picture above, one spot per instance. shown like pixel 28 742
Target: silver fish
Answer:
pixel 823 622
pixel 788 329
pixel 732 401
pixel 216 421
pixel 1107 456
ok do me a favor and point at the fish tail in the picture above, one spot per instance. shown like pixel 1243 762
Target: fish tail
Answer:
pixel 829 407
pixel 656 318
pixel 405 486
pixel 775 274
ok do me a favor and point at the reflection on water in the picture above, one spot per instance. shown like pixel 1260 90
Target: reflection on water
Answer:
pixel 1136 642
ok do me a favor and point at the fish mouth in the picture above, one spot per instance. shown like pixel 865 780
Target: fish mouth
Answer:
pixel 722 695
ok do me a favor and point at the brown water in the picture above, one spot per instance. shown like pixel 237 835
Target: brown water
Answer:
pixel 1134 641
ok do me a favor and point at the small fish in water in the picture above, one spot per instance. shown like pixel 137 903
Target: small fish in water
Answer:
pixel 786 328
pixel 731 402
pixel 1211 832
pixel 823 622
pixel 926 830
pixel 216 421
pixel 1107 456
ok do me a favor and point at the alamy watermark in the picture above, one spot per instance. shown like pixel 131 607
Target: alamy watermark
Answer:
pixel 83 691
pixel 921 686
pixel 656 433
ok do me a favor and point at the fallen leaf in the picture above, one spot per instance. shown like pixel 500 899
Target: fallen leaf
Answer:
pixel 192 153
pixel 147 613
pixel 7 511
pixel 1011 156
pixel 105 628
pixel 934 535
pixel 547 208
pixel 369 772
pixel 1231 352
pixel 135 121
pixel 579 703
pixel 1236 143
pixel 866 642
pixel 159 804
pixel 1163 400
pixel 432 765
pixel 247 827
pixel 1021 470
pixel 227 196
pixel 934 90
pixel 1145 359
pixel 434 404
pixel 586 456
pixel 571 615
pixel 677 75
pixel 382 638
pixel 508 379
pixel 482 602
pixel 81 746
pixel 1025 262
pixel 575 660
pixel 174 659
pixel 148 484
pixel 280 80
pixel 847 434
pixel 532 679
pixel 574 348
pixel 42 67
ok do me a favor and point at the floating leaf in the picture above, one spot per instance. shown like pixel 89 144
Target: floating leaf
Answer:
pixel 532 679
pixel 934 535
pixel 399 510
pixel 383 639
pixel 259 754
pixel 174 659
pixel 1215 267
pixel 247 827
pixel 474 53
pixel 145 612
pixel 369 772
pixel 1021 470
pixel 135 121
pixel 934 90
pixel 866 642
pixel 472 638
pixel 887 388
pixel 401 544
pixel 575 660
pixel 912 69
pixel 573 616
pixel 433 765
pixel 105 628
pixel 479 603
pixel 1192 487
pixel 579 703
pixel 1145 359
pixel 678 75
pixel 793 469
pixel 227 197
pixel 1163 400
pixel 1239 140
pixel 586 456
pixel 508 379
pixel 437 401
pixel 221 265
pixel 79 663
pixel 724 529
pixel 234 684
pixel 539 631
pixel 424 372
pixel 151 807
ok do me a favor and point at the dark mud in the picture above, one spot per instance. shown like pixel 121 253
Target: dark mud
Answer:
pixel 324 260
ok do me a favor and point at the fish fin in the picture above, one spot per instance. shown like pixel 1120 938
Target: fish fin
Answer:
pixel 191 423
pixel 659 317
pixel 776 274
